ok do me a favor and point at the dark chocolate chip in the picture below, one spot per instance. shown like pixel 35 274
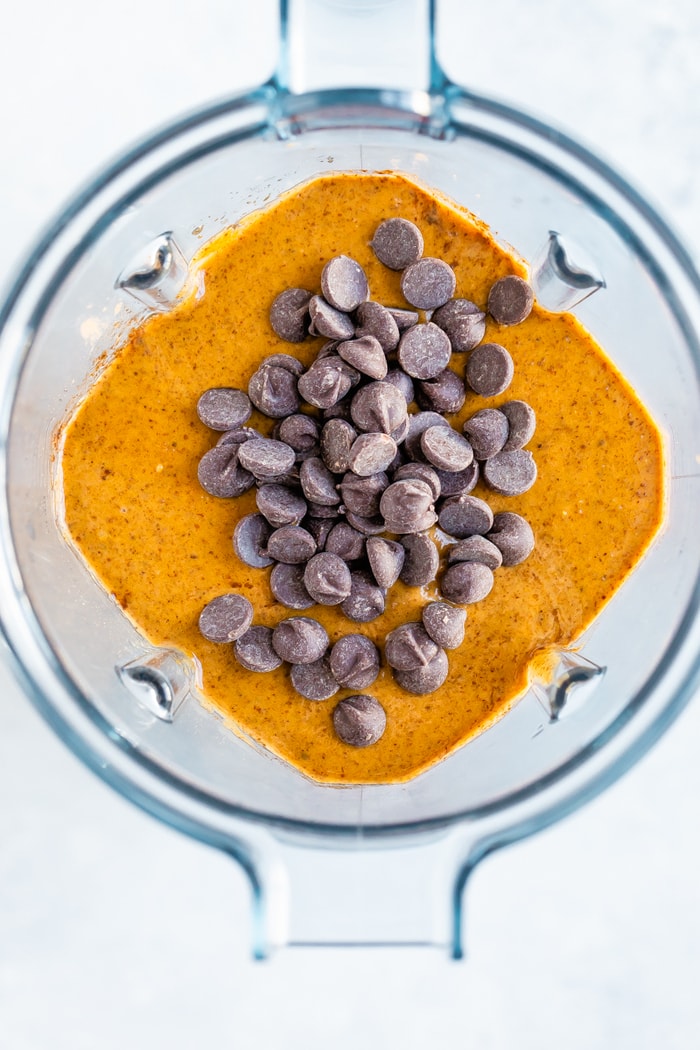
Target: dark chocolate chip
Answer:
pixel 300 432
pixel 402 381
pixel 463 322
pixel 416 425
pixel 238 436
pixel 346 542
pixel 379 407
pixel 327 381
pixel 327 579
pixel 265 457
pixel 510 300
pixel 462 516
pixel 510 473
pixel 444 623
pixel 404 318
pixel 365 601
pixel 489 369
pixel 476 548
pixel 467 582
pixel 250 541
pixel 221 474
pixel 487 431
pixel 407 505
pixel 320 529
pixel 337 437
pixel 446 449
pixel 386 558
pixel 374 319
pixel 362 495
pixel 287 585
pixel 513 536
pixel 460 482
pixel 291 544
pixel 318 483
pixel 355 661
pixel 300 640
pixel 226 618
pixel 288 361
pixel 365 354
pixel 289 314
pixel 445 393
pixel 343 283
pixel 314 681
pixel 397 243
pixel 224 408
pixel 326 320
pixel 372 526
pixel 340 410
pixel 424 351
pixel 422 560
pixel 428 283
pixel 318 510
pixel 521 424
pixel 427 679
pixel 280 505
pixel 422 472
pixel 254 650
pixel 408 647
pixel 372 453
pixel 273 390
pixel 359 720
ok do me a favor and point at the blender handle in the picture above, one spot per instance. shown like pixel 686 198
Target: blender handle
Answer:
pixel 384 44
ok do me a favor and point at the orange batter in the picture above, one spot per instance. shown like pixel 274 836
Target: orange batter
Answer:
pixel 162 546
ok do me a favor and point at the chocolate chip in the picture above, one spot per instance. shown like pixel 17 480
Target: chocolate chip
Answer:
pixel 427 679
pixel 467 582
pixel 489 369
pixel 250 541
pixel 365 354
pixel 327 579
pixel 314 681
pixel 226 618
pixel 386 558
pixel 300 640
pixel 365 601
pixel 446 449
pixel 289 314
pixel 417 424
pixel 326 320
pixel 318 483
pixel 362 495
pixel 422 560
pixel 318 510
pixel 280 505
pixel 320 529
pixel 422 472
pixel 287 585
pixel 445 393
pixel 288 361
pixel 343 283
pixel 221 474
pixel 374 319
pixel 337 437
pixel 521 424
pixel 487 431
pixel 265 457
pixel 463 322
pixel 340 410
pixel 300 432
pixel 406 506
pixel 224 408
pixel 510 473
pixel 462 516
pixel 372 453
pixel 402 381
pixel 273 390
pixel 513 536
pixel 238 436
pixel 346 542
pixel 510 300
pixel 404 318
pixel 290 479
pixel 428 283
pixel 476 548
pixel 371 526
pixel 408 647
pixel 379 407
pixel 460 482
pixel 359 720
pixel 397 243
pixel 355 661
pixel 424 351
pixel 445 624
pixel 327 381
pixel 254 650
pixel 291 544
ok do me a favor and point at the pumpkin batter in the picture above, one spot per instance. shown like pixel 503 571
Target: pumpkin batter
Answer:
pixel 162 546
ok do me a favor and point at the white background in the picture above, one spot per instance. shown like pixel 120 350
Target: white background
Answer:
pixel 116 932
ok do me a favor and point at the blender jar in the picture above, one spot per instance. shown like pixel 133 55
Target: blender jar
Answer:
pixel 120 250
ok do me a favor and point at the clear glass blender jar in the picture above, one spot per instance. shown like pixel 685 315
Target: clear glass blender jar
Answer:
pixel 120 250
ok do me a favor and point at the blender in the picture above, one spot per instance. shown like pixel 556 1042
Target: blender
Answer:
pixel 120 250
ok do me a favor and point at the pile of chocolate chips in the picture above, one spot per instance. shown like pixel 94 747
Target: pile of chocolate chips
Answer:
pixel 351 481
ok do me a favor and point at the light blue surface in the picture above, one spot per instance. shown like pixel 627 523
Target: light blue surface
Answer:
pixel 115 931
